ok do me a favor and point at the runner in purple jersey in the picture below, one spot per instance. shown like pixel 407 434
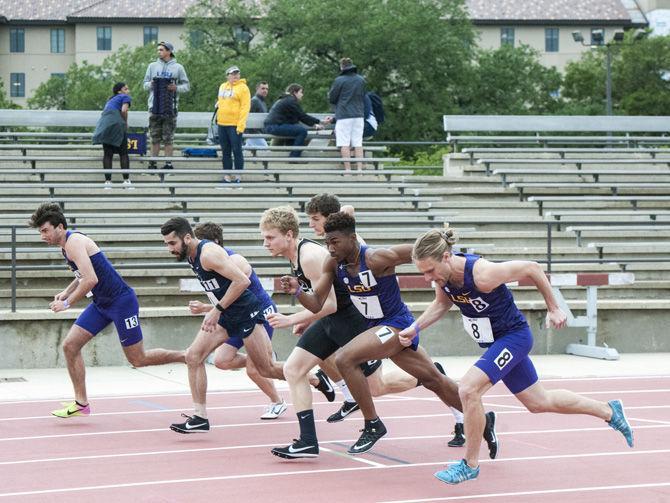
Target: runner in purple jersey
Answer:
pixel 490 316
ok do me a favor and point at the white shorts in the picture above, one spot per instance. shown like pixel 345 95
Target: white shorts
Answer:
pixel 349 132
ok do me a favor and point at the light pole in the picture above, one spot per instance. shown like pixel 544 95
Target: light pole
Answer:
pixel 598 39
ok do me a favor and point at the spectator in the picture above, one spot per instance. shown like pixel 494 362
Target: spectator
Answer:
pixel 111 132
pixel 285 116
pixel 347 95
pixel 259 106
pixel 163 118
pixel 232 111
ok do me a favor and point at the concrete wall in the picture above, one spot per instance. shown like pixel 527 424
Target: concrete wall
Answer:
pixel 36 343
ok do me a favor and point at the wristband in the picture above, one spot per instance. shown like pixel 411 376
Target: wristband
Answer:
pixel 298 292
pixel 219 307
pixel 415 326
pixel 66 304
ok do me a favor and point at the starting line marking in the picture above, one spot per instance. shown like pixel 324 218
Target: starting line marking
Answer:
pixel 336 470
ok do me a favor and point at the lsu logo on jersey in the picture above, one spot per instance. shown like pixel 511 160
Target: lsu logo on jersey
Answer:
pixel 210 285
pixel 478 303
pixel 359 288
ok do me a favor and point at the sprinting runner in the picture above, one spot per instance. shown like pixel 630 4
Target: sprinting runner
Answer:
pixel 490 316
pixel 380 382
pixel 368 277
pixel 113 301
pixel 227 356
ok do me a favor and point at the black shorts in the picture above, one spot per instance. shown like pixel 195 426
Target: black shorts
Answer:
pixel 240 318
pixel 327 335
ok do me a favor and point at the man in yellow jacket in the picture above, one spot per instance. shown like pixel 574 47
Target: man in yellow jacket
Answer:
pixel 233 106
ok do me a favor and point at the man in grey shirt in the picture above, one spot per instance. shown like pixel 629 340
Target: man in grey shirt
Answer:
pixel 347 95
pixel 162 119
pixel 258 106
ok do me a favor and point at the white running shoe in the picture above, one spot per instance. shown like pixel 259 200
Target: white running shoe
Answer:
pixel 108 185
pixel 127 184
pixel 275 410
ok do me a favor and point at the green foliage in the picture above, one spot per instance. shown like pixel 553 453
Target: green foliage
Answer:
pixel 511 80
pixel 638 88
pixel 88 87
pixel 4 101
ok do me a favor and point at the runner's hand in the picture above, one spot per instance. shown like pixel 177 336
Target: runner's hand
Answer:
pixel 299 328
pixel 278 320
pixel 289 284
pixel 210 321
pixel 406 336
pixel 197 307
pixel 556 318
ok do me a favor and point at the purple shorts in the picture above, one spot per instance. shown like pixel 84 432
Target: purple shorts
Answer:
pixel 507 360
pixel 123 312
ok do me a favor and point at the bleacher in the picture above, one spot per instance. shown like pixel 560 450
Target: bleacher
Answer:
pixel 594 208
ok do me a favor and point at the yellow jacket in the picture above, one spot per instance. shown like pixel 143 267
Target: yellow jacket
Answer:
pixel 233 105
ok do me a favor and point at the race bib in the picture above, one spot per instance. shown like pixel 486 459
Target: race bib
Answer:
pixel 212 298
pixel 368 306
pixel 479 329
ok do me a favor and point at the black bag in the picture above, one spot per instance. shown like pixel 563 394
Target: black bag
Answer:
pixel 377 106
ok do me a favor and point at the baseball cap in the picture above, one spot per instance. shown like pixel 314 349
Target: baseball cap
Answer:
pixel 232 69
pixel 168 46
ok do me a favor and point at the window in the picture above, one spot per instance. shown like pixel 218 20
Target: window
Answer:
pixel 507 36
pixel 196 38
pixel 597 36
pixel 150 35
pixel 551 39
pixel 104 38
pixel 17 40
pixel 58 40
pixel 58 75
pixel 17 85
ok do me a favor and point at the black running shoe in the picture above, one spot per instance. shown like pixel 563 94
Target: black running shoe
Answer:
pixel 490 434
pixel 193 424
pixel 368 439
pixel 167 165
pixel 152 165
pixel 325 385
pixel 459 438
pixel 298 449
pixel 346 409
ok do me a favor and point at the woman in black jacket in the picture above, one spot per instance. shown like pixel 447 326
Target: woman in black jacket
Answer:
pixel 286 115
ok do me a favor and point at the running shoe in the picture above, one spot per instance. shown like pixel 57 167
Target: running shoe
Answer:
pixel 298 449
pixel 193 424
pixel 325 386
pixel 619 421
pixel 490 434
pixel 368 438
pixel 168 165
pixel 346 409
pixel 455 474
pixel 72 409
pixel 275 410
pixel 459 438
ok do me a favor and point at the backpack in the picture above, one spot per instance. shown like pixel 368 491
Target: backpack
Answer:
pixel 377 106
pixel 198 152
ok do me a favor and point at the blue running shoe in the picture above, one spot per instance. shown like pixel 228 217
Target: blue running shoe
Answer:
pixel 619 421
pixel 455 474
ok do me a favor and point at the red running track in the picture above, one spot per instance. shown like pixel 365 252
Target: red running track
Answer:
pixel 126 452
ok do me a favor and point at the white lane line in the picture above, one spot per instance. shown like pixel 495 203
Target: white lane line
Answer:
pixel 388 399
pixel 353 458
pixel 542 491
pixel 257 391
pixel 263 423
pixel 330 470
pixel 655 421
pixel 347 440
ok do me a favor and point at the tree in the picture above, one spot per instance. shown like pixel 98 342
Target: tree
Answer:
pixel 88 87
pixel 511 80
pixel 4 101
pixel 639 70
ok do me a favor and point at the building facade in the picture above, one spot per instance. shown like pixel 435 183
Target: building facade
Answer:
pixel 41 38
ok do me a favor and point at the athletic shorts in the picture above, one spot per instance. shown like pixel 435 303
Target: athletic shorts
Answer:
pixel 349 132
pixel 401 320
pixel 124 312
pixel 507 360
pixel 326 335
pixel 161 129
pixel 237 342
pixel 240 318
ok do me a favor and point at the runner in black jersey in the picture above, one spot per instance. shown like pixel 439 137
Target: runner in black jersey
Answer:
pixel 368 277
pixel 238 313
